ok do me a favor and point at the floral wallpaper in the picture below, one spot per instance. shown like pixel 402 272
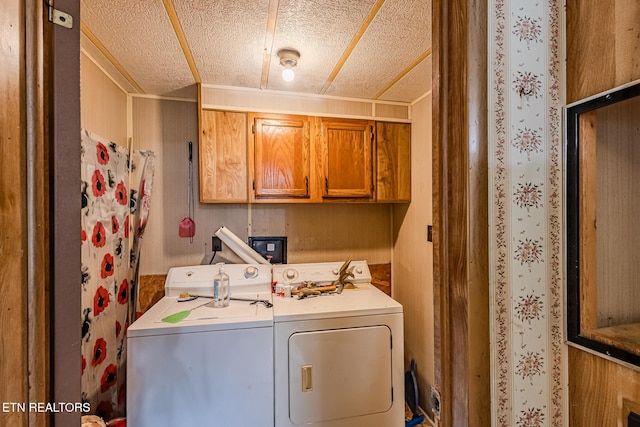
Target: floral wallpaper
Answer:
pixel 525 146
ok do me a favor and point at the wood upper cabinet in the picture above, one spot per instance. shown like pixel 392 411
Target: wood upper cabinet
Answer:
pixel 347 147
pixel 393 162
pixel 223 156
pixel 280 157
pixel 291 159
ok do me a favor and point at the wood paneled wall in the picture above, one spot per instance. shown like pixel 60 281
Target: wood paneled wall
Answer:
pixel 104 104
pixel 602 46
pixel 328 232
pixel 618 203
pixel 412 268
pixel 599 390
pixel 602 53
pixel 225 98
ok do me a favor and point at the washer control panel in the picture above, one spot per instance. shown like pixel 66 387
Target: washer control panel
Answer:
pixel 199 278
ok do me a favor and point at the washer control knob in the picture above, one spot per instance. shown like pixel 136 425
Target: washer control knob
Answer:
pixel 250 272
pixel 335 271
pixel 290 274
pixel 359 270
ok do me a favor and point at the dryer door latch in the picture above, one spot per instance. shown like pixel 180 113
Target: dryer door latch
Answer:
pixel 307 379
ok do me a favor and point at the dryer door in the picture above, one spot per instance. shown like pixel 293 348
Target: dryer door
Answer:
pixel 340 373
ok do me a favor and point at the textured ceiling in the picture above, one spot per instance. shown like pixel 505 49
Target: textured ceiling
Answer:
pixel 370 49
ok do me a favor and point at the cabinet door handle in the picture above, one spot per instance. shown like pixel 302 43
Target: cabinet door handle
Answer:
pixel 326 185
pixel 306 184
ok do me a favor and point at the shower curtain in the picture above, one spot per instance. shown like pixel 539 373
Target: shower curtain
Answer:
pixel 116 190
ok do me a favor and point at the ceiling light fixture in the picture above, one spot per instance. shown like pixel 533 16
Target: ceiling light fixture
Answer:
pixel 288 59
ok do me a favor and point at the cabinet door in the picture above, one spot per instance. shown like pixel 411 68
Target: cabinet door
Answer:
pixel 347 164
pixel 281 157
pixel 393 162
pixel 223 156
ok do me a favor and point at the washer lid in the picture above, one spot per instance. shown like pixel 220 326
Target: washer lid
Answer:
pixel 203 318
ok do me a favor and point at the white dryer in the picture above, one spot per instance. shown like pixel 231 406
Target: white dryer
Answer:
pixel 339 358
pixel 214 367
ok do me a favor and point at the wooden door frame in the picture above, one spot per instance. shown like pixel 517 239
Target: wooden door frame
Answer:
pixel 14 244
pixel 460 204
pixel 40 221
pixel 62 133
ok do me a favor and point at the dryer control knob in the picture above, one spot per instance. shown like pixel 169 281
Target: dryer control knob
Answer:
pixel 290 274
pixel 250 272
pixel 359 270
pixel 335 271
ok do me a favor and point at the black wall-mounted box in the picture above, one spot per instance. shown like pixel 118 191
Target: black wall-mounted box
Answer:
pixel 272 248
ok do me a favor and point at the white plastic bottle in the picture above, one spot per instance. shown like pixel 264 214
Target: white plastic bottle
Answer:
pixel 221 291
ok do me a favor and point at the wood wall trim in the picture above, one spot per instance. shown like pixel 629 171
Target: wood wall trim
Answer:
pixel 186 50
pixel 269 33
pixel 460 204
pixel 403 73
pixel 587 183
pixel 37 215
pixel 478 216
pixel 440 275
pixel 352 45
pixel 87 32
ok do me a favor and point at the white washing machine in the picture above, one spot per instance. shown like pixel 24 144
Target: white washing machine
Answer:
pixel 214 367
pixel 339 358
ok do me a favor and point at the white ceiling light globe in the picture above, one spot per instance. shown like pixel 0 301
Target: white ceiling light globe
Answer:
pixel 287 74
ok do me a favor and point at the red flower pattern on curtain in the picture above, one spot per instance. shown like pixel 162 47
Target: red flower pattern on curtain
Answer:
pixel 102 154
pixel 98 236
pixel 97 184
pixel 99 352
